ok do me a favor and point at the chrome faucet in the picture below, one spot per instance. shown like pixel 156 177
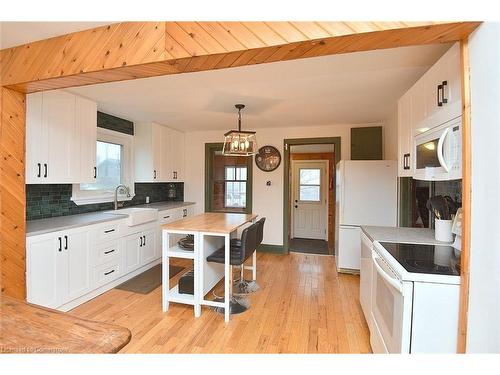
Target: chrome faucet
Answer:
pixel 122 187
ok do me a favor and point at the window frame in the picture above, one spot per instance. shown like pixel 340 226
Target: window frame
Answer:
pixel 316 185
pixel 83 197
pixel 210 149
pixel 226 181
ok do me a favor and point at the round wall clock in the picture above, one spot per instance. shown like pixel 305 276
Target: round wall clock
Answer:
pixel 268 158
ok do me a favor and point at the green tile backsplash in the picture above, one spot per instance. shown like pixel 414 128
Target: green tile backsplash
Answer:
pixel 52 200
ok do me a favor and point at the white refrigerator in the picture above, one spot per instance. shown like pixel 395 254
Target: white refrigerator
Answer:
pixel 366 194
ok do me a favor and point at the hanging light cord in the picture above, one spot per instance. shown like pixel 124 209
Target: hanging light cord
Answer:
pixel 239 119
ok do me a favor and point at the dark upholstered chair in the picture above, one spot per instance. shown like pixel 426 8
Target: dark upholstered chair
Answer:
pixel 237 255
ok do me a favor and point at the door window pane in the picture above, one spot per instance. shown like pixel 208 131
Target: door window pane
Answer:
pixel 109 167
pixel 310 184
pixel 310 176
pixel 309 193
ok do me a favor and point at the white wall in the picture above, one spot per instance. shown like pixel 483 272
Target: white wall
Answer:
pixel 267 200
pixel 484 295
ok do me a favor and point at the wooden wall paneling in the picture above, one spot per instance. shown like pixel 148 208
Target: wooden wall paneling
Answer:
pixel 466 198
pixel 12 194
pixel 188 43
pixel 265 33
pixel 97 49
pixel 106 54
pixel 311 30
pixel 287 31
pixel 226 39
pixel 243 35
pixel 202 37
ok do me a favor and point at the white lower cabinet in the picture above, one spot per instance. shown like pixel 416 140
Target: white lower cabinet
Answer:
pixel 76 248
pixel 147 251
pixel 57 268
pixel 65 269
pixel 132 244
pixel 44 279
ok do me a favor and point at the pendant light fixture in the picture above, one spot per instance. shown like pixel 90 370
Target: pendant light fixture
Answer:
pixel 239 142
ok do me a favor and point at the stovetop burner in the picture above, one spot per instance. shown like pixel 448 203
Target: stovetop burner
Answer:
pixel 431 259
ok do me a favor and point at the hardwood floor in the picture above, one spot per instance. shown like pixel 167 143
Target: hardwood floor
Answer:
pixel 303 306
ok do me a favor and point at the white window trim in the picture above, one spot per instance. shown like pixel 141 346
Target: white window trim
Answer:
pixel 82 197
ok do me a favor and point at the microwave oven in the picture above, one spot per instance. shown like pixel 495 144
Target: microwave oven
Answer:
pixel 438 152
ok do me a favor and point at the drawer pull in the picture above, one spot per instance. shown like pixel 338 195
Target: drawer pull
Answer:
pixel 107 273
pixel 110 251
pixel 166 217
pixel 109 231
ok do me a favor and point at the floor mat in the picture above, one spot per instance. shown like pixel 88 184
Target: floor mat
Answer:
pixel 147 281
pixel 304 245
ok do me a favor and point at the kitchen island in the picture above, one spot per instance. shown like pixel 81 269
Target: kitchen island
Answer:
pixel 211 231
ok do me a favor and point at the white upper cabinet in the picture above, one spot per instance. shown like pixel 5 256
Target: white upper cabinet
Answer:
pixel 177 155
pixel 404 135
pixel 433 100
pixel 439 92
pixel 159 153
pixel 86 122
pixel 61 133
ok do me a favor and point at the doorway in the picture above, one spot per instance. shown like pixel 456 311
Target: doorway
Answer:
pixel 310 199
pixel 309 194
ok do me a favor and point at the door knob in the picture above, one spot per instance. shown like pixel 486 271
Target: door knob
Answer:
pixel 296 206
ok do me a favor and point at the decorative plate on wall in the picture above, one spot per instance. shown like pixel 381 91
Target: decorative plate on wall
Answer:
pixel 268 158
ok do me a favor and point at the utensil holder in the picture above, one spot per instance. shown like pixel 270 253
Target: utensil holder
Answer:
pixel 442 231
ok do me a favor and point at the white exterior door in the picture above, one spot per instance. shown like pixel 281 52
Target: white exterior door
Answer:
pixel 309 206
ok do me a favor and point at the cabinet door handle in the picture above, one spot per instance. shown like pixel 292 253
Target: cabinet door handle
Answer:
pixel 141 242
pixel 95 172
pixel 60 243
pixel 443 86
pixel 144 240
pixel 45 169
pixel 439 95
pixel 154 174
pixel 109 252
pixel 109 231
pixel 107 273
pixel 65 242
pixel 39 170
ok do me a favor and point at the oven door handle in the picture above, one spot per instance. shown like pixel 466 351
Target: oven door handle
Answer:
pixel 395 283
pixel 440 147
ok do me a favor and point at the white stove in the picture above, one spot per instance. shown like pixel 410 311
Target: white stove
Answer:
pixel 410 296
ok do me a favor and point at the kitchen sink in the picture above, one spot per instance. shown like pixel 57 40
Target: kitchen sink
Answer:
pixel 137 216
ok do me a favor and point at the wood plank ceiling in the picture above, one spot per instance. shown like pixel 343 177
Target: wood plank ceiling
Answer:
pixel 144 49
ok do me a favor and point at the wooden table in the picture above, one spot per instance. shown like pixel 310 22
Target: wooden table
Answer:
pixel 26 328
pixel 211 231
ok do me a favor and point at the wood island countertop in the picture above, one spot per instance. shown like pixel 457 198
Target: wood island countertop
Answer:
pixel 26 328
pixel 214 222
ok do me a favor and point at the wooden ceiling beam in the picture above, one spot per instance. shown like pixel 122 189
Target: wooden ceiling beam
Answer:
pixel 132 50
